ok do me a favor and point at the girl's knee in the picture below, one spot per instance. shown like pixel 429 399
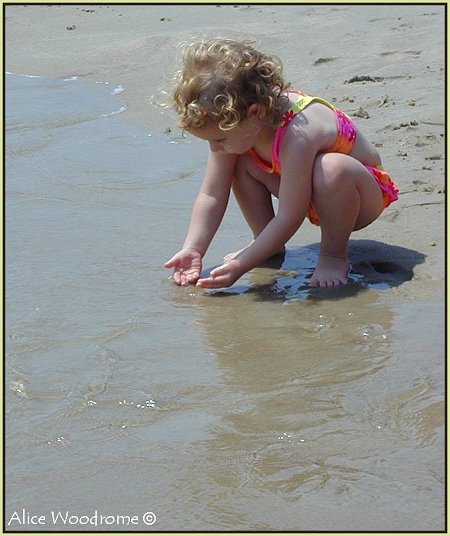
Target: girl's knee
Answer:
pixel 242 162
pixel 242 169
pixel 329 171
pixel 345 180
pixel 247 174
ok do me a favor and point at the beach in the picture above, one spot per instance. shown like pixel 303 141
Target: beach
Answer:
pixel 136 46
pixel 266 406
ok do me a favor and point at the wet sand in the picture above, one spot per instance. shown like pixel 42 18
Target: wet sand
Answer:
pixel 267 406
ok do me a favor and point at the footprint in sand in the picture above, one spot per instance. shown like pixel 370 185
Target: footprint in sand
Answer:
pixel 321 61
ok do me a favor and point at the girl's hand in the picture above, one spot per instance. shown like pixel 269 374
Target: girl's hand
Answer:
pixel 222 276
pixel 187 265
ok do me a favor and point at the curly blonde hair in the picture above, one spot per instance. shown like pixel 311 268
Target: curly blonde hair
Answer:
pixel 221 79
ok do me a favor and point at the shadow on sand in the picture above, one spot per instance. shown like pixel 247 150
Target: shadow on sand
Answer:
pixel 375 265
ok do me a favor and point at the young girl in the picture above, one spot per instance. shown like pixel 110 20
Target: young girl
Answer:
pixel 268 139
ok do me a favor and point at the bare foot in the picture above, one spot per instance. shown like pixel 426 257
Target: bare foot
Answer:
pixel 330 271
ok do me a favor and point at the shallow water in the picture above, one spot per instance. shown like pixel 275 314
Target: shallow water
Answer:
pixel 267 406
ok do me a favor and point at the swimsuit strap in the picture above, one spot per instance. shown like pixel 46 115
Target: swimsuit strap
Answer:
pixel 300 105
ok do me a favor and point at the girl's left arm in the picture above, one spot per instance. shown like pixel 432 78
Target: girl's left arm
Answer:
pixel 297 159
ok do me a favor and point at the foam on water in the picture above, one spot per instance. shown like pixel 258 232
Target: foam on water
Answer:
pixel 72 101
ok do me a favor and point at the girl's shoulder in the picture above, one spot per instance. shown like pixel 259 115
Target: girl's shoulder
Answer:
pixel 299 102
pixel 310 122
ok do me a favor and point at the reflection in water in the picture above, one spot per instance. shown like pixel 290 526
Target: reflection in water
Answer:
pixel 315 404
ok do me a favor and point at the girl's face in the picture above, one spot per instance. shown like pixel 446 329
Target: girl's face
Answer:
pixel 238 140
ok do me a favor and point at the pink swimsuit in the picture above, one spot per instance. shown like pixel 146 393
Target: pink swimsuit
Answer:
pixel 344 142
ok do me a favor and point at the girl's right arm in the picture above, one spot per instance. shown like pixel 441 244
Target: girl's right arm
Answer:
pixel 207 213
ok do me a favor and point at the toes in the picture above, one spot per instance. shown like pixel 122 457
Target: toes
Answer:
pixel 325 283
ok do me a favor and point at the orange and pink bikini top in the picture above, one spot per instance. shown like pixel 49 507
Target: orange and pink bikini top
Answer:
pixel 344 142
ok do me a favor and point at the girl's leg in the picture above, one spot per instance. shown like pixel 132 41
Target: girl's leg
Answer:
pixel 346 197
pixel 253 189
